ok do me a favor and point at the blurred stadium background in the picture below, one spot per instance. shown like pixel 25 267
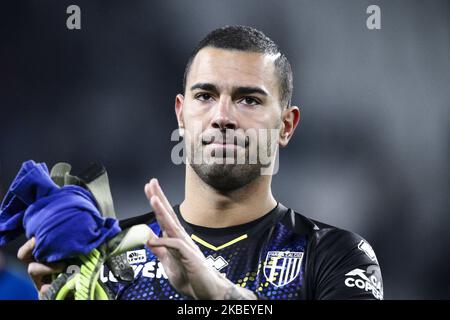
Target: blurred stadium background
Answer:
pixel 371 153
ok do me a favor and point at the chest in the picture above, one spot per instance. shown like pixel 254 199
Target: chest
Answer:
pixel 272 266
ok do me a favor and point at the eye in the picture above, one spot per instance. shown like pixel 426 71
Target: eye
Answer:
pixel 250 101
pixel 203 96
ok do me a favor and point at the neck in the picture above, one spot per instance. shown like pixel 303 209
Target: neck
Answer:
pixel 208 207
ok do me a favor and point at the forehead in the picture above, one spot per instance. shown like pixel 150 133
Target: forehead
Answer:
pixel 230 68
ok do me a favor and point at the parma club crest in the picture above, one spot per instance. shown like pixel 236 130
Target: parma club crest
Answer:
pixel 282 267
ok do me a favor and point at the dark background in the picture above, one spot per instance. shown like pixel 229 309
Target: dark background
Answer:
pixel 371 152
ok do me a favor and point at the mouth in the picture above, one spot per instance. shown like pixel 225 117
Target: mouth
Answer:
pixel 226 143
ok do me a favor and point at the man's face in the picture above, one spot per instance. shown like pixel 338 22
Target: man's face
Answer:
pixel 230 104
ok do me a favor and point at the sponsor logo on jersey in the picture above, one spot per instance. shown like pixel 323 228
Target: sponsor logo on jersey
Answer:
pixel 136 256
pixel 151 269
pixel 218 263
pixel 367 249
pixel 282 267
pixel 365 280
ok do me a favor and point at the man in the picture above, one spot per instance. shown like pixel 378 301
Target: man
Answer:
pixel 230 238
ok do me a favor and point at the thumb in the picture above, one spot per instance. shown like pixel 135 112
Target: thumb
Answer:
pixel 159 251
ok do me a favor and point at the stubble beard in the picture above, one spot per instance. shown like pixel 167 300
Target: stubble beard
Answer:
pixel 226 177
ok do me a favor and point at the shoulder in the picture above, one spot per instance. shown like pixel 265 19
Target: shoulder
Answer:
pixel 336 241
pixel 341 264
pixel 327 239
pixel 320 231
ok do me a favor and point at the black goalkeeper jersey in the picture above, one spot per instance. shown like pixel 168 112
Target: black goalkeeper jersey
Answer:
pixel 282 255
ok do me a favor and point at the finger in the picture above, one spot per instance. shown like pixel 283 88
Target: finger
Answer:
pixel 156 187
pixel 148 191
pixel 36 269
pixel 189 256
pixel 159 252
pixel 43 289
pixel 25 252
pixel 39 272
pixel 153 189
pixel 175 244
pixel 164 219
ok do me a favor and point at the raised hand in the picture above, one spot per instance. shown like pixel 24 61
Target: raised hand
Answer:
pixel 183 262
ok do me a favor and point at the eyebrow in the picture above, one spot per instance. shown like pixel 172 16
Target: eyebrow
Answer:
pixel 236 90
pixel 205 86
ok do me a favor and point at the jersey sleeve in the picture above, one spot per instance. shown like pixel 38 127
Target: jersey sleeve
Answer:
pixel 346 268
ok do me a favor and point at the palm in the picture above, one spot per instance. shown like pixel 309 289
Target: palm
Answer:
pixel 183 271
pixel 183 262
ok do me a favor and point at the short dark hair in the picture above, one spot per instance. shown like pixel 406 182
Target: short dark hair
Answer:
pixel 248 39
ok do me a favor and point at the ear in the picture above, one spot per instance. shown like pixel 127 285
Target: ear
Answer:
pixel 290 119
pixel 179 101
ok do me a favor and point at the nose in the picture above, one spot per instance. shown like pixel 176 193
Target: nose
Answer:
pixel 223 115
